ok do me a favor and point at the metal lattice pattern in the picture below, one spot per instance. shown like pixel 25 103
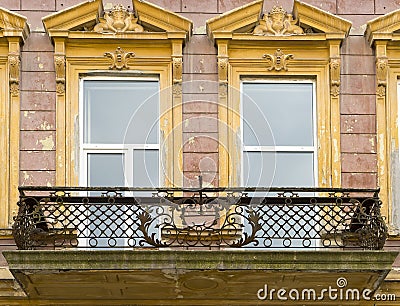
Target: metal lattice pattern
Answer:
pixel 247 217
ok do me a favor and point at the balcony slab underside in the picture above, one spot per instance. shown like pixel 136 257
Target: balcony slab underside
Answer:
pixel 190 277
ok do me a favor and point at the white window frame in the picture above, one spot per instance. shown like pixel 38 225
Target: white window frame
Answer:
pixel 126 149
pixel 281 149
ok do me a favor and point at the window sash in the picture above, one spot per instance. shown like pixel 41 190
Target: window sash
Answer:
pixel 282 148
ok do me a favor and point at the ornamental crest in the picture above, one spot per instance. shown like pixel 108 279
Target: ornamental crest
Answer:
pixel 277 23
pixel 119 19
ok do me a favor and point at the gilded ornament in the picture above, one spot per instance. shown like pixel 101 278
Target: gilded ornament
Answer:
pixel 118 20
pixel 119 59
pixel 278 61
pixel 277 23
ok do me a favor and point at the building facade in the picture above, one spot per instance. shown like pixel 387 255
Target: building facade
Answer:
pixel 217 94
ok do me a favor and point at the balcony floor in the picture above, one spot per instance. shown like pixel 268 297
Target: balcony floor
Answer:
pixel 198 277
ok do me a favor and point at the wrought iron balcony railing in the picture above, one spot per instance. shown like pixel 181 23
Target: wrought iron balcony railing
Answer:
pixel 114 218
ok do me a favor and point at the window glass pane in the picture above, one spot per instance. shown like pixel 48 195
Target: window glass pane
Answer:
pixel 278 169
pixel 278 114
pixel 145 168
pixel 105 169
pixel 118 111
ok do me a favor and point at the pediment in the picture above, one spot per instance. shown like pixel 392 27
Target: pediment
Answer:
pixel 90 17
pixel 383 27
pixel 305 20
pixel 13 24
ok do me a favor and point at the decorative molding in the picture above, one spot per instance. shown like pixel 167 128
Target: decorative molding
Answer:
pixel 13 68
pixel 177 69
pixel 118 20
pixel 223 69
pixel 278 61
pixel 334 69
pixel 59 62
pixel 277 23
pixel 381 75
pixel 119 58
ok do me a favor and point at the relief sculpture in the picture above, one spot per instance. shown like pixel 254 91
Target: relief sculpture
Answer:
pixel 277 22
pixel 119 19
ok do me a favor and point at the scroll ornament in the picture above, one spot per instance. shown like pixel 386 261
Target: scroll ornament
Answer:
pixel 119 59
pixel 278 61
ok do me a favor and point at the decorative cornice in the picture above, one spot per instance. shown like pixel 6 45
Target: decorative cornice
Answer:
pixel 118 20
pixel 84 21
pixel 13 24
pixel 119 59
pixel 277 22
pixel 383 27
pixel 278 61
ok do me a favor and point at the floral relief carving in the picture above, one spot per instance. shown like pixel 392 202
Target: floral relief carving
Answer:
pixel 118 20
pixel 277 23
pixel 119 59
pixel 14 67
pixel 278 61
pixel 334 67
pixel 59 62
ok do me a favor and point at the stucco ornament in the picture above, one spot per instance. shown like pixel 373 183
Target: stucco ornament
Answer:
pixel 277 22
pixel 119 19
pixel 278 61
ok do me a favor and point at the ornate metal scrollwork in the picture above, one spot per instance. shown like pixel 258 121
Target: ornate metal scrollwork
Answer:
pixel 284 218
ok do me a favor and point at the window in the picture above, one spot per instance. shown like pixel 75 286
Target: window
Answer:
pixel 277 119
pixel 124 54
pixel 278 133
pixel 120 132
